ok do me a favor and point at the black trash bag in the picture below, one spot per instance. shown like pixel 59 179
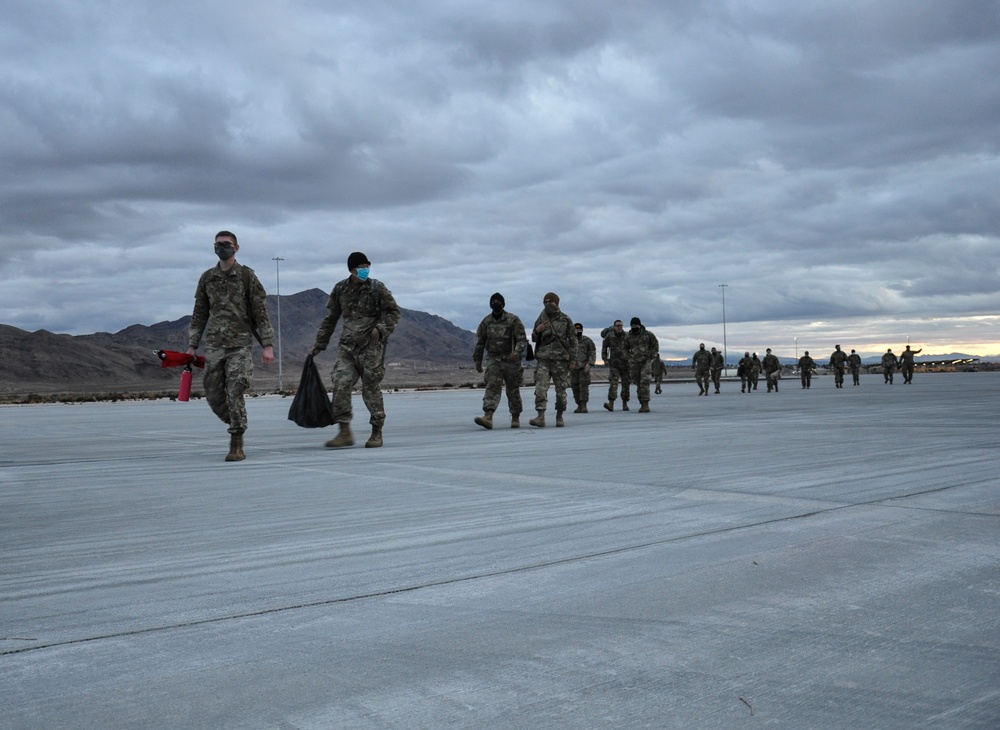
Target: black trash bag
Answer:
pixel 311 406
pixel 529 352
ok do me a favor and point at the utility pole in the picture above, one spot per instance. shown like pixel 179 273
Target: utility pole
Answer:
pixel 277 275
pixel 725 352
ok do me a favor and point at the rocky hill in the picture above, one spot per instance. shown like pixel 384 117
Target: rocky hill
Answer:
pixel 45 362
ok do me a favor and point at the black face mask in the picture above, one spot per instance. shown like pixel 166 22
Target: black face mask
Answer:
pixel 224 251
pixel 497 308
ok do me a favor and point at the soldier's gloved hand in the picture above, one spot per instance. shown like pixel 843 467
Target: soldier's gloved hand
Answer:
pixel 479 367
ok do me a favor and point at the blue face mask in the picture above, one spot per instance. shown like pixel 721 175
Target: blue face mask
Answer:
pixel 363 274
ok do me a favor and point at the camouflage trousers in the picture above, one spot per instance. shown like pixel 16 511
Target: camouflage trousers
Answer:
pixel 716 377
pixel 556 372
pixel 702 376
pixel 228 372
pixel 642 374
pixel 838 374
pixel 500 373
pixel 580 383
pixel 618 373
pixel 367 363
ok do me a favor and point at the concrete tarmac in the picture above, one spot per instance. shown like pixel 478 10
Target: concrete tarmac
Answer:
pixel 808 559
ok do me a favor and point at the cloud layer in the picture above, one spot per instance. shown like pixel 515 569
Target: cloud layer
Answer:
pixel 835 165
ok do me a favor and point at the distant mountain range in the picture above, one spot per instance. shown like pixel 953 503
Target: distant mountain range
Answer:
pixel 125 359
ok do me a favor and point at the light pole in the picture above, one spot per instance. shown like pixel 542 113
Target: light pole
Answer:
pixel 796 349
pixel 277 275
pixel 725 352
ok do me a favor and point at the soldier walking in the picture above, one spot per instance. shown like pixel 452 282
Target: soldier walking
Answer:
pixel 838 361
pixel 641 346
pixel 715 371
pixel 556 337
pixel 613 353
pixel 370 315
pixel 501 339
pixel 772 371
pixel 889 365
pixel 586 358
pixel 701 363
pixel 854 363
pixel 658 368
pixel 232 303
pixel 806 367
pixel 743 369
pixel 906 363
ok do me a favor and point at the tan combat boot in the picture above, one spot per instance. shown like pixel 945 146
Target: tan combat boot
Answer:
pixel 610 405
pixel 559 420
pixel 538 421
pixel 344 438
pixel 376 438
pixel 515 421
pixel 582 408
pixel 485 420
pixel 644 407
pixel 624 405
pixel 235 448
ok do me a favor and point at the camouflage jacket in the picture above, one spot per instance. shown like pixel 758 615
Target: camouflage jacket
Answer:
pixel 718 361
pixel 613 350
pixel 499 336
pixel 838 358
pixel 906 357
pixel 586 351
pixel 364 306
pixel 889 361
pixel 806 364
pixel 558 342
pixel 854 361
pixel 641 345
pixel 701 360
pixel 220 304
pixel 771 363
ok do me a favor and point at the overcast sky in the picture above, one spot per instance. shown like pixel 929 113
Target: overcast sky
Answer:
pixel 835 164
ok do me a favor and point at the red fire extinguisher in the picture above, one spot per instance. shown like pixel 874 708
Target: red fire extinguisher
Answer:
pixel 184 394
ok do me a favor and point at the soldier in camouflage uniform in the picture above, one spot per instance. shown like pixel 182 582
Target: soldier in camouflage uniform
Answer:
pixel 579 377
pixel 370 315
pixel 718 364
pixel 755 371
pixel 658 368
pixel 701 363
pixel 232 299
pixel 889 365
pixel 555 336
pixel 906 364
pixel 613 353
pixel 806 367
pixel 772 370
pixel 838 362
pixel 641 346
pixel 501 334
pixel 854 363
pixel 744 369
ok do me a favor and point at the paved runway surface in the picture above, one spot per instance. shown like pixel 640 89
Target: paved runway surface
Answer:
pixel 808 559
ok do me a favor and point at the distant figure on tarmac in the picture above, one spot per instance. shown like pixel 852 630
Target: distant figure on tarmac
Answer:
pixel 370 315
pixel 555 354
pixel 906 363
pixel 613 353
pixel 715 372
pixel 701 363
pixel 889 365
pixel 838 362
pixel 641 346
pixel 854 363
pixel 772 371
pixel 579 377
pixel 657 374
pixel 744 369
pixel 806 367
pixel 231 302
pixel 501 340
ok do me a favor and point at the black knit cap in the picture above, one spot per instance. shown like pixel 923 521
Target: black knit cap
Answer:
pixel 497 296
pixel 635 321
pixel 355 260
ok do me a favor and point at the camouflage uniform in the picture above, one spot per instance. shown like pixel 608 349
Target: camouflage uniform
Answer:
pixel 854 363
pixel 755 371
pixel 743 370
pixel 220 303
pixel 838 361
pixel 579 376
pixel 701 363
pixel 613 353
pixel 889 364
pixel 772 371
pixel 501 336
pixel 906 364
pixel 555 351
pixel 658 368
pixel 718 364
pixel 641 346
pixel 806 366
pixel 364 306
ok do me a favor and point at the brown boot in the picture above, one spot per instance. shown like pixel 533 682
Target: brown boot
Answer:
pixel 582 408
pixel 610 406
pixel 538 421
pixel 644 408
pixel 235 448
pixel 485 420
pixel 515 421
pixel 579 406
pixel 559 420
pixel 344 438
pixel 624 405
pixel 375 440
